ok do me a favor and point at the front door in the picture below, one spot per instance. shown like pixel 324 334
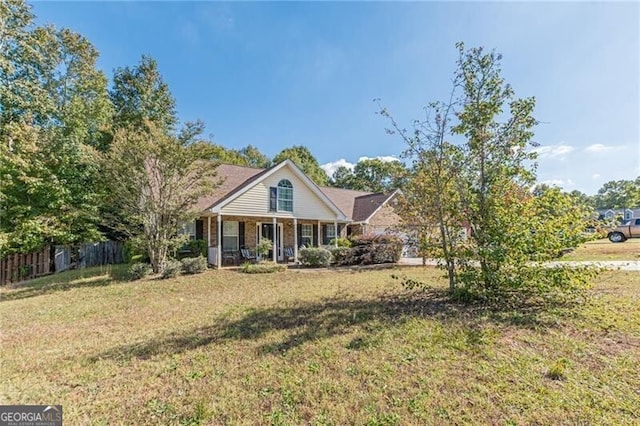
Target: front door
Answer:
pixel 266 231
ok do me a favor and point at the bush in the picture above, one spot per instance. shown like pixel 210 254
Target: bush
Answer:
pixel 194 265
pixel 172 269
pixel 134 251
pixel 370 249
pixel 138 270
pixel 197 248
pixel 262 268
pixel 314 256
pixel 341 242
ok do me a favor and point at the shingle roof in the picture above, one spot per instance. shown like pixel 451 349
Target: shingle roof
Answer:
pixel 232 179
pixel 356 205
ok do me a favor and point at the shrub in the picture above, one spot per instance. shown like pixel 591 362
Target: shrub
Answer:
pixel 172 269
pixel 341 242
pixel 262 268
pixel 134 251
pixel 315 256
pixel 371 249
pixel 138 270
pixel 197 248
pixel 194 265
pixel 342 255
pixel 263 247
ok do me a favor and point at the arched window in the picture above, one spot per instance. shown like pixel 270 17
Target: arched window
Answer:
pixel 285 196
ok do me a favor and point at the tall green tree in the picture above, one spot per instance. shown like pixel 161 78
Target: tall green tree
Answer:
pixel 140 95
pixel 370 174
pixel 303 158
pixel 619 194
pixel 53 110
pixel 154 181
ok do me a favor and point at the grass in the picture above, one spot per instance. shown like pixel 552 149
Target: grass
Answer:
pixel 603 250
pixel 314 347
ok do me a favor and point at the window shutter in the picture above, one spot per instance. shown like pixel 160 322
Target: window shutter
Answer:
pixel 325 237
pixel 339 231
pixel 273 199
pixel 299 235
pixel 315 236
pixel 199 229
pixel 241 234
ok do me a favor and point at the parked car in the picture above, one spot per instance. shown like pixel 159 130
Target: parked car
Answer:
pixel 627 229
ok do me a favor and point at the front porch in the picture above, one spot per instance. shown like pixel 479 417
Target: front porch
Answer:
pixel 227 236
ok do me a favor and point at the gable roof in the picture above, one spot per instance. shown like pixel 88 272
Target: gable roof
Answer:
pixel 236 180
pixel 366 206
pixel 345 199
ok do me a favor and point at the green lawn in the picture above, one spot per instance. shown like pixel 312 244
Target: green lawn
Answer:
pixel 314 348
pixel 604 249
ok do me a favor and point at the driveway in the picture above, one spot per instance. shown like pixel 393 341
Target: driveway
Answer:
pixel 624 265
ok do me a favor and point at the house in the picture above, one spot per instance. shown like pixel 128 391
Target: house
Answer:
pixel 625 214
pixel 284 205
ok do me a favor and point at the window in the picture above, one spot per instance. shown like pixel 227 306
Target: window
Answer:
pixel 285 196
pixel 329 234
pixel 230 236
pixel 306 232
pixel 187 228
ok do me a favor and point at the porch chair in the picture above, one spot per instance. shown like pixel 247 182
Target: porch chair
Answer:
pixel 247 255
pixel 288 254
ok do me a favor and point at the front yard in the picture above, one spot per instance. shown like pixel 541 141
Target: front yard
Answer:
pixel 603 250
pixel 317 347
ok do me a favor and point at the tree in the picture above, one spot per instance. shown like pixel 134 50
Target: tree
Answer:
pixel 619 194
pixel 370 174
pixel 155 179
pixel 140 96
pixel 485 183
pixel 53 109
pixel 303 158
pixel 254 158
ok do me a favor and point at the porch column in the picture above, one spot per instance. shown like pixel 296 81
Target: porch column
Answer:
pixel 219 250
pixel 295 239
pixel 319 236
pixel 335 232
pixel 275 240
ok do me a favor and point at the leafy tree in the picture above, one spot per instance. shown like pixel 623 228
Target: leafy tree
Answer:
pixel 512 230
pixel 53 108
pixel 303 158
pixel 619 194
pixel 155 180
pixel 254 158
pixel 371 174
pixel 140 96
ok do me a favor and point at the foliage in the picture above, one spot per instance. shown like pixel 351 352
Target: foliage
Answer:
pixel 342 255
pixel 340 242
pixel 375 249
pixel 155 180
pixel 197 248
pixel 135 251
pixel 370 174
pixel 172 269
pixel 194 265
pixel 484 183
pixel 54 107
pixel 140 96
pixel 303 158
pixel 314 256
pixel 264 267
pixel 249 156
pixel 264 247
pixel 139 270
pixel 619 194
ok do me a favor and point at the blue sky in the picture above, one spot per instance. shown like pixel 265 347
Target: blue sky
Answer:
pixel 276 74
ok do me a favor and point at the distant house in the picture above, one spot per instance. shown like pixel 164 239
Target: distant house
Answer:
pixel 284 205
pixel 626 214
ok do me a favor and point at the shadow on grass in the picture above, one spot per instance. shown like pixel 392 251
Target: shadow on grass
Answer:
pixel 330 317
pixel 97 276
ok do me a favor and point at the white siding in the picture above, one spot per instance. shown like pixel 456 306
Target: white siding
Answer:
pixel 255 201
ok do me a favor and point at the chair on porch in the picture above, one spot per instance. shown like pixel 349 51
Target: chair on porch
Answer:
pixel 229 257
pixel 247 255
pixel 288 254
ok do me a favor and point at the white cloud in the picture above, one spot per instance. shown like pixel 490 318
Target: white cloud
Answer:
pixel 598 148
pixel 387 158
pixel 595 176
pixel 553 151
pixel 568 183
pixel 331 167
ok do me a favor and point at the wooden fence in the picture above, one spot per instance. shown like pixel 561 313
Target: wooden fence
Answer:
pixel 20 267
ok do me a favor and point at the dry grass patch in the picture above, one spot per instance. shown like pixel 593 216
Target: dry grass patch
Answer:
pixel 606 250
pixel 315 347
